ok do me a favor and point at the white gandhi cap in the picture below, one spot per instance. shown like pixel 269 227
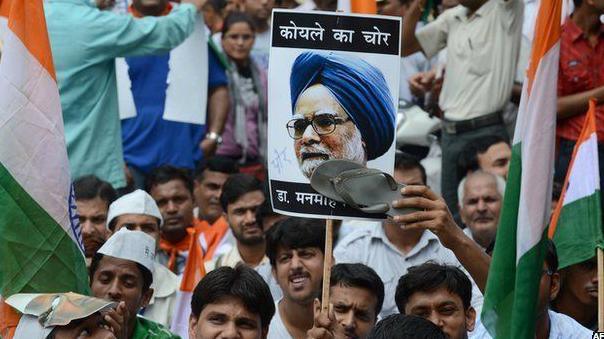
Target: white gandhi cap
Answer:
pixel 135 246
pixel 137 202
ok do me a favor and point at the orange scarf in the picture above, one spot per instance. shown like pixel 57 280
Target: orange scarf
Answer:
pixel 135 13
pixel 9 319
pixel 183 245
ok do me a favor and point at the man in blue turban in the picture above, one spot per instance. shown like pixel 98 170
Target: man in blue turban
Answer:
pixel 342 109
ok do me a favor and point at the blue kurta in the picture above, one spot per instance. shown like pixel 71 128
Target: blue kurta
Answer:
pixel 85 42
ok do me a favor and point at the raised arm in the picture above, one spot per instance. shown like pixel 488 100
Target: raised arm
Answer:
pixel 410 43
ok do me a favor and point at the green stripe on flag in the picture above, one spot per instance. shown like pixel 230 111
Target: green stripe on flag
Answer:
pixel 36 254
pixel 512 290
pixel 579 230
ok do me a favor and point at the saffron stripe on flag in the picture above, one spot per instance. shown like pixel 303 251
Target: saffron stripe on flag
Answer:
pixel 513 281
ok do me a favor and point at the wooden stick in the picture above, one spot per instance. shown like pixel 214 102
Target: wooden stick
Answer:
pixel 327 264
pixel 600 289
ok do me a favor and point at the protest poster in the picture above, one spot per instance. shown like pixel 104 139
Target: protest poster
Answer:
pixel 333 93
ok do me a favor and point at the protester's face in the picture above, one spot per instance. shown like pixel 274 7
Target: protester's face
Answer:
pixel 344 142
pixel 411 176
pixel 139 222
pixel 496 159
pixel 207 195
pixel 481 207
pixel 299 273
pixel 241 216
pixel 354 309
pixel 581 281
pixel 212 18
pixel 226 317
pixel 93 215
pixel 118 280
pixel 175 203
pixel 237 42
pixel 445 310
pixel 91 327
pixel 260 10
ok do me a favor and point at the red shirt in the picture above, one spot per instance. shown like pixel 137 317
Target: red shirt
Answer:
pixel 581 69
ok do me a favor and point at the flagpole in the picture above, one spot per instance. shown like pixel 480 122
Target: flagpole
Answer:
pixel 600 289
pixel 327 264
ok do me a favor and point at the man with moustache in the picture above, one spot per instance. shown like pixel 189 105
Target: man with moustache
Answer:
pixel 342 109
pixel 578 296
pixel 480 198
pixel 357 294
pixel 93 197
pixel 172 190
pixel 241 199
pixel 207 188
pixel 295 248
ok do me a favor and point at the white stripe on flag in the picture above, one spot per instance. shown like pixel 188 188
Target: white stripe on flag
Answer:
pixel 32 146
pixel 583 180
pixel 536 133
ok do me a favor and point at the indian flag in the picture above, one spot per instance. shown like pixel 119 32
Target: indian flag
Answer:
pixel 40 240
pixel 513 282
pixel 193 273
pixel 576 226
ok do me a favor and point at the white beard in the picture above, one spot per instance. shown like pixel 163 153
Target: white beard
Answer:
pixel 353 150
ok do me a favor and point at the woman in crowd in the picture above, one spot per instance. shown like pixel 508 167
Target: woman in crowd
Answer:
pixel 244 136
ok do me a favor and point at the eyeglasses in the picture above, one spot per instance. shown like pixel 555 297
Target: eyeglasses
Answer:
pixel 322 124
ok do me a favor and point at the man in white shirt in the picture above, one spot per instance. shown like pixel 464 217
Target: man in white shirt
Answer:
pixel 391 249
pixel 482 38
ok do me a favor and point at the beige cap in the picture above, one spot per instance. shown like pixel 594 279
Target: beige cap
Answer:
pixel 135 246
pixel 137 202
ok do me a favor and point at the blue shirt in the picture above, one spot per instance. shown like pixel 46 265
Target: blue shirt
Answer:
pixel 150 141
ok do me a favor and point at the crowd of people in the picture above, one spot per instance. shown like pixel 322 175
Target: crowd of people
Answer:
pixel 146 186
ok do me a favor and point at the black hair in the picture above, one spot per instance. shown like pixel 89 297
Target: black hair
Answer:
pixel 166 173
pixel 217 5
pixel 216 163
pixel 90 186
pixel 294 233
pixel 399 326
pixel 236 186
pixel 403 161
pixel 551 256
pixel 360 276
pixel 468 158
pixel 236 17
pixel 578 3
pixel 147 275
pixel 241 282
pixel 429 277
